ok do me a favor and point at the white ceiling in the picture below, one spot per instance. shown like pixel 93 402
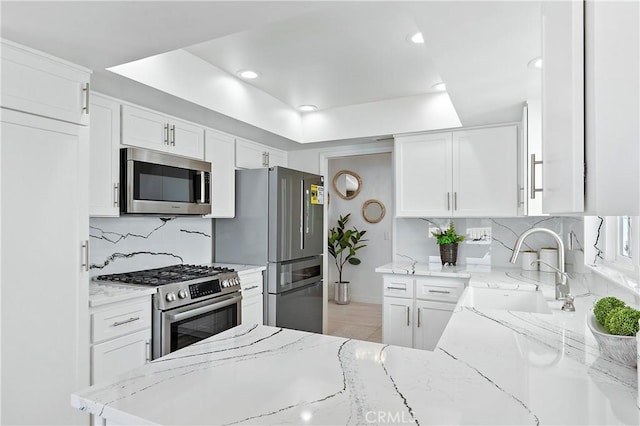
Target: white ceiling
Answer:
pixel 337 55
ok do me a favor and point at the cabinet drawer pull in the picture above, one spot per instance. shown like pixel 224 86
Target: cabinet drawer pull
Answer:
pixel 118 323
pixel 166 134
pixel 392 287
pixel 407 316
pixel 418 318
pixel 116 197
pixel 251 288
pixel 455 200
pixel 86 98
pixel 148 350
pixel 440 291
pixel 173 135
pixel 448 201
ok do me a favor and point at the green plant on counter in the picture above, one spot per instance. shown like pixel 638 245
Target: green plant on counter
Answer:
pixel 618 318
pixel 344 243
pixel 605 305
pixel 448 236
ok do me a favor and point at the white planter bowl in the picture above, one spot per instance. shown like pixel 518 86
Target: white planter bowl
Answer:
pixel 623 349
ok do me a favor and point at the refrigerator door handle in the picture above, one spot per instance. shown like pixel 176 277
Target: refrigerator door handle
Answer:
pixel 302 227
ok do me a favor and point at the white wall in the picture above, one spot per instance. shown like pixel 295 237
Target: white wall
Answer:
pixel 377 181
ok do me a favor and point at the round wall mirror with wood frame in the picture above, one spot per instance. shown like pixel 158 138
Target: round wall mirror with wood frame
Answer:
pixel 373 211
pixel 347 184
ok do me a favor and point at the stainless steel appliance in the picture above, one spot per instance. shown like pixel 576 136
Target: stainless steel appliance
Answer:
pixel 192 303
pixel 279 223
pixel 157 183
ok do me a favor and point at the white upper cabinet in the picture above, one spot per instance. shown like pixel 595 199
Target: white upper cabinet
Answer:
pixel 485 172
pixel 612 87
pixel 39 84
pixel 423 165
pixel 220 152
pixel 470 173
pixel 104 177
pixel 252 155
pixel 562 107
pixel 148 129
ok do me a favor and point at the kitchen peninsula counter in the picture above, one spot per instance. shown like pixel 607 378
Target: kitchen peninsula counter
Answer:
pixel 490 367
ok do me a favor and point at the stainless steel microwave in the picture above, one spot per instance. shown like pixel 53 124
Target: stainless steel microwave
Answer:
pixel 158 183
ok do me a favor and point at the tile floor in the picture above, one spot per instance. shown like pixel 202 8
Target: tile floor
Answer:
pixel 362 321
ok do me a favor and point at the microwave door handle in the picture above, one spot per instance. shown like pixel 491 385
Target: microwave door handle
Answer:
pixel 202 187
pixel 302 225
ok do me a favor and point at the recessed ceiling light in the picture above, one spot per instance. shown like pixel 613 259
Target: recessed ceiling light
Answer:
pixel 439 87
pixel 248 74
pixel 307 108
pixel 416 38
pixel 535 63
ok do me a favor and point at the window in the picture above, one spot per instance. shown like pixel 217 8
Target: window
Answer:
pixel 624 237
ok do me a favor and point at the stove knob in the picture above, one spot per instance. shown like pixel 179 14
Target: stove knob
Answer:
pixel 225 283
pixel 182 294
pixel 236 281
pixel 171 297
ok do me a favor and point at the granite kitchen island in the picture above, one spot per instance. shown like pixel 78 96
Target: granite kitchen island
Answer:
pixel 491 367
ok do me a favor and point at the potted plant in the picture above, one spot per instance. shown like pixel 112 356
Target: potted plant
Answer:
pixel 614 326
pixel 343 245
pixel 448 241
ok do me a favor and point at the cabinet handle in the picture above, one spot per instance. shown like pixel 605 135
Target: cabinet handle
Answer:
pixel 116 201
pixel 148 350
pixel 534 163
pixel 119 323
pixel 418 318
pixel 407 316
pixel 440 291
pixel 166 134
pixel 86 98
pixel 173 135
pixel 251 288
pixel 267 158
pixel 448 201
pixel 393 287
pixel 85 255
pixel 455 201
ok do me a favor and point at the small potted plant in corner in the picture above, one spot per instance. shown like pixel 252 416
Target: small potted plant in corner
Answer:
pixel 448 241
pixel 343 245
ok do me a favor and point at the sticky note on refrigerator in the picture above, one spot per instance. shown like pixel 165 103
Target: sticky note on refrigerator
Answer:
pixel 317 194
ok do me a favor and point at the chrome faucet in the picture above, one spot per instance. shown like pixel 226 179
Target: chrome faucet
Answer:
pixel 562 285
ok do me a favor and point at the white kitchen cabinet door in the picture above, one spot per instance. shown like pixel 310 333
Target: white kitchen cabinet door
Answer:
pixel 220 152
pixel 252 309
pixel 431 319
pixel 45 339
pixel 104 167
pixel 563 107
pixel 423 185
pixel 114 357
pixel 276 158
pixel 144 129
pixel 186 139
pixel 397 321
pixel 612 88
pixel 485 172
pixel 250 155
pixel 40 84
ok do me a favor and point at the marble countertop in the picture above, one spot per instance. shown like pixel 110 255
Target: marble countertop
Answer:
pixel 103 294
pixel 490 367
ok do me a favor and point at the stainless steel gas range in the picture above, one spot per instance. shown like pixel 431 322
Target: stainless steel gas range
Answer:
pixel 192 303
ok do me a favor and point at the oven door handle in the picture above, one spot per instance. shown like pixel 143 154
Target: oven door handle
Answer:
pixel 230 300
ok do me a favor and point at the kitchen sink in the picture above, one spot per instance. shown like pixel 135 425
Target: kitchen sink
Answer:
pixel 505 300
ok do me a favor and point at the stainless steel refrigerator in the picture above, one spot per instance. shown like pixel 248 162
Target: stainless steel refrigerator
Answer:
pixel 278 223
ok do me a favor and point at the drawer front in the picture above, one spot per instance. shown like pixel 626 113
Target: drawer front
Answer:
pixel 398 286
pixel 251 284
pixel 446 290
pixel 121 319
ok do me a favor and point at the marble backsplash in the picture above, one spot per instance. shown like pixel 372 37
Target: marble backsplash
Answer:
pixel 132 243
pixel 488 241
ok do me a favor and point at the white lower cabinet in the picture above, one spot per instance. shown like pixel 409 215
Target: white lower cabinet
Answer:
pixel 416 310
pixel 252 301
pixel 120 337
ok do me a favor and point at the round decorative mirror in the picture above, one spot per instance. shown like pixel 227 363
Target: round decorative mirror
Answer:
pixel 373 211
pixel 347 184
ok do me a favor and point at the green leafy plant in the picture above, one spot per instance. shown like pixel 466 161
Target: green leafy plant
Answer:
pixel 617 318
pixel 605 305
pixel 448 236
pixel 344 243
